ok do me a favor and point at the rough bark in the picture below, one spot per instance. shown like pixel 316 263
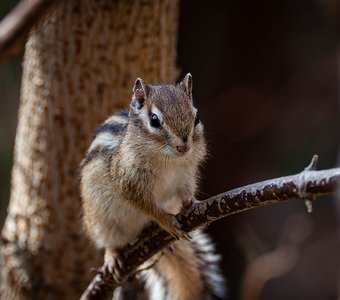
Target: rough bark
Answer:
pixel 80 64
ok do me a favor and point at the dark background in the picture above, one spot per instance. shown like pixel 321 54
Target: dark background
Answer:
pixel 267 87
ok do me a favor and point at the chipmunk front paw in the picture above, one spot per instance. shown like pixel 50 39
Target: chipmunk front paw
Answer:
pixel 113 264
pixel 174 228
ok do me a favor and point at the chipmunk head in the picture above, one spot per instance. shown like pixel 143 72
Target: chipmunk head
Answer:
pixel 165 114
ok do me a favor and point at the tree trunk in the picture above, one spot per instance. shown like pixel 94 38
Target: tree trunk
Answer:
pixel 80 64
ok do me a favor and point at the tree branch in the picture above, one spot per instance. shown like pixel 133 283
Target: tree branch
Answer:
pixel 307 185
pixel 18 22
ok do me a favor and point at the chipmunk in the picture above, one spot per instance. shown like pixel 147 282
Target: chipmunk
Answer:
pixel 142 166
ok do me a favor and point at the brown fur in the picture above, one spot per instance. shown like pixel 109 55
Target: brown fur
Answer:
pixel 142 177
pixel 181 270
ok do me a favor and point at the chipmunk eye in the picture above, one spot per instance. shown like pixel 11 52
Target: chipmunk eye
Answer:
pixel 154 121
pixel 197 119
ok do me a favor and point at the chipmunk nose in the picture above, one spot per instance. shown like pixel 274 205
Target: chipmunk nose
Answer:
pixel 182 148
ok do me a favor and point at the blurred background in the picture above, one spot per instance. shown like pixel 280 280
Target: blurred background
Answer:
pixel 10 76
pixel 266 82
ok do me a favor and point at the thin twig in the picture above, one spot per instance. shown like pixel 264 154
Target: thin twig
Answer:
pixel 307 184
pixel 18 22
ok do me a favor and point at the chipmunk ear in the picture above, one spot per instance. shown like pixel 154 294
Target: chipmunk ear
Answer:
pixel 140 92
pixel 186 84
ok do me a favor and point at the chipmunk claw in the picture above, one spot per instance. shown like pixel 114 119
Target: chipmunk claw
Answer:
pixel 189 202
pixel 169 248
pixel 113 265
pixel 175 229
